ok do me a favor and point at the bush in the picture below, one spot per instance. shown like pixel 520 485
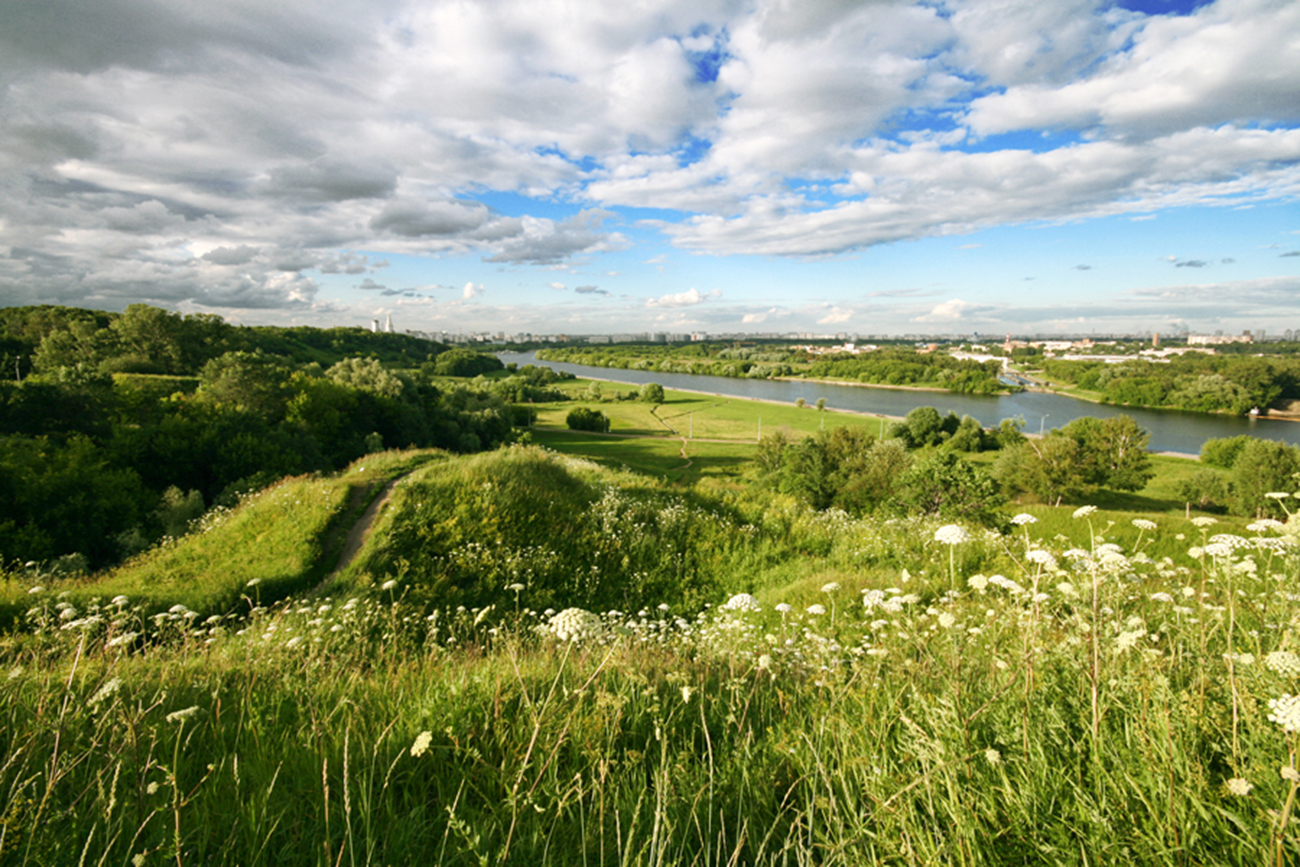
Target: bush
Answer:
pixel 584 418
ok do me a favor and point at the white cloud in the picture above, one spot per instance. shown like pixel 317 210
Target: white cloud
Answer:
pixel 471 290
pixel 689 298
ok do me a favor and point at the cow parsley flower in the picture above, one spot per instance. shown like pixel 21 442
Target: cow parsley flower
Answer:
pixel 1283 662
pixel 1084 511
pixel 992 756
pixel 1239 787
pixel 1144 524
pixel 1024 518
pixel 816 609
pixel 977 582
pixel 741 602
pixel 832 587
pixel 575 624
pixel 1285 712
pixel 183 715
pixel 951 534
pixel 1204 521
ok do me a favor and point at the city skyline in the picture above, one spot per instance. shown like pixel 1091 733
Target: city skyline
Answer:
pixel 943 167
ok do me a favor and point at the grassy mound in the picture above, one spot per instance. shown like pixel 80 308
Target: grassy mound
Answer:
pixel 559 531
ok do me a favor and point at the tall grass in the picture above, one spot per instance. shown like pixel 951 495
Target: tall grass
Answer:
pixel 1059 695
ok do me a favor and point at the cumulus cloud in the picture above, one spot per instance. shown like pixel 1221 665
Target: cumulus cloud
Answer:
pixel 215 154
pixel 689 298
pixel 471 290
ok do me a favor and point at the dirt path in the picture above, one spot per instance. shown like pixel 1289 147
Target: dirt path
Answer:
pixel 361 529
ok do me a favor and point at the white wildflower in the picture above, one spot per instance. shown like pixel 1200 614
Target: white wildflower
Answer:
pixel 951 534
pixel 1283 662
pixel 1024 518
pixel 183 715
pixel 977 582
pixel 832 587
pixel 816 609
pixel 741 602
pixel 1143 524
pixel 1239 787
pixel 1290 773
pixel 1084 511
pixel 1285 712
pixel 105 692
pixel 575 624
pixel 946 620
pixel 388 585
pixel 992 756
pixel 1204 521
pixel 421 745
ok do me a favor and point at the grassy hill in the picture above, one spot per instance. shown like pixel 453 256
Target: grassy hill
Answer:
pixel 535 659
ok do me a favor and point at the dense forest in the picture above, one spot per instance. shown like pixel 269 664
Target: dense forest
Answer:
pixel 894 366
pixel 116 429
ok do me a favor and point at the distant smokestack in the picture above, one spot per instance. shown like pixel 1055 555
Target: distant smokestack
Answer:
pixel 374 326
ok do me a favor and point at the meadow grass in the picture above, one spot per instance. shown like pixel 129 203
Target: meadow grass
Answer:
pixel 1085 703
pixel 752 682
pixel 704 416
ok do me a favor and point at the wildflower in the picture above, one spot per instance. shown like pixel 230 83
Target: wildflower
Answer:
pixel 741 602
pixel 107 691
pixel 1127 640
pixel 1290 773
pixel 119 601
pixel 152 788
pixel 977 582
pixel 516 587
pixel 1024 518
pixel 951 534
pixel 575 624
pixel 783 607
pixel 946 620
pixel 183 715
pixel 992 756
pixel 872 598
pixel 1277 495
pixel 1264 525
pixel 1218 549
pixel 421 745
pixel 1285 712
pixel 1283 662
pixel 388 585
pixel 764 662
pixel 253 582
pixel 1195 552
pixel 1161 597
pixel 816 609
pixel 37 589
pixel 1084 511
pixel 1239 787
pixel 1042 558
pixel 1204 521
pixel 832 587
pixel 687 692
pixel 1144 524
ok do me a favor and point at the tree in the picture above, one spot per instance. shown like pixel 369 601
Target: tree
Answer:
pixel 465 362
pixel 1113 452
pixel 1222 452
pixel 951 489
pixel 651 392
pixel 583 418
pixel 1264 466
pixel 366 374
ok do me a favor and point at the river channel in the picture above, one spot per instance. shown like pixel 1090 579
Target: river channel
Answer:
pixel 1171 431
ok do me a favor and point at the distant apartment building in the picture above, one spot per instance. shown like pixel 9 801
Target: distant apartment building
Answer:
pixel 1218 339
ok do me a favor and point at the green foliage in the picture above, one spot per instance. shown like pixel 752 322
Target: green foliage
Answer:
pixel 1207 490
pixel 585 418
pixel 1086 455
pixel 463 534
pixel 651 392
pixel 1192 381
pixel 59 498
pixel 466 362
pixel 1263 467
pixel 366 374
pixel 1224 451
pixel 946 487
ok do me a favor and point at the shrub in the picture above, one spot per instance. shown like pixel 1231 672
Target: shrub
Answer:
pixel 584 418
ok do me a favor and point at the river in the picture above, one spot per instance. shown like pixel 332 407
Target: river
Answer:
pixel 1171 430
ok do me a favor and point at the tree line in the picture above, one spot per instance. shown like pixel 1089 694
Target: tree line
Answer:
pixel 118 428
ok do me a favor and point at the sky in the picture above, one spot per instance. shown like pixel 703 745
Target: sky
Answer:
pixel 555 166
